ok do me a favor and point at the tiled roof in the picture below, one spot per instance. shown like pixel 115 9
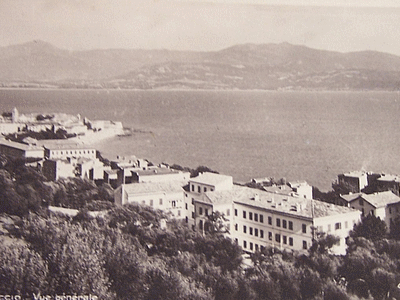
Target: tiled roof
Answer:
pixel 157 171
pixel 210 178
pixel 154 187
pixel 381 199
pixel 351 197
pixel 301 207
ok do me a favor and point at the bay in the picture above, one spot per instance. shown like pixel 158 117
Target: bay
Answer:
pixel 298 135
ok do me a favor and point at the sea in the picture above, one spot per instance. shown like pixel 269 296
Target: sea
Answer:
pixel 296 135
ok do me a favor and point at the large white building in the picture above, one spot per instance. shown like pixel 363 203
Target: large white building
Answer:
pixel 257 218
pixel 167 196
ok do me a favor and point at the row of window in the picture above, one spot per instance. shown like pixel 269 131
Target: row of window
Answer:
pixel 252 216
pixel 277 238
pixel 73 152
pixel 279 222
pixel 199 189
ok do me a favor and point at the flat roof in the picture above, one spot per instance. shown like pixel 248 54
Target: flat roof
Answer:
pixel 389 178
pixel 209 178
pixel 300 207
pixel 158 171
pixel 63 145
pixel 19 146
pixel 154 187
pixel 355 174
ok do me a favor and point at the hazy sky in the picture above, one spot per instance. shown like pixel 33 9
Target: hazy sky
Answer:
pixel 202 25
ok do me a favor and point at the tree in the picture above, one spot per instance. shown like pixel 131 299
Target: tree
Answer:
pixel 371 227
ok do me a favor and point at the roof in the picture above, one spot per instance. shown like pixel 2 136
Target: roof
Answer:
pixel 279 189
pixel 355 174
pixel 157 171
pixel 210 178
pixel 301 207
pixel 389 178
pixel 351 197
pixel 154 187
pixel 381 199
pixel 19 146
pixel 63 145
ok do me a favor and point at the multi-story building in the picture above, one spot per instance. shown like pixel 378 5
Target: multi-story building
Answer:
pixel 388 183
pixel 62 149
pixel 384 205
pixel 167 196
pixel 19 150
pixel 257 218
pixel 354 182
pixel 197 207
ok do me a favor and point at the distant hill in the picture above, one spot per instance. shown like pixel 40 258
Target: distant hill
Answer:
pixel 249 66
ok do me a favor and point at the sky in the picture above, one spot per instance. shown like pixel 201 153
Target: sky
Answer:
pixel 212 25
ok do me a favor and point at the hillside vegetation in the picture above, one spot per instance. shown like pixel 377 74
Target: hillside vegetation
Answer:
pixel 266 66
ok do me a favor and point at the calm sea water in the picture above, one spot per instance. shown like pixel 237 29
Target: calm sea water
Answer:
pixel 297 135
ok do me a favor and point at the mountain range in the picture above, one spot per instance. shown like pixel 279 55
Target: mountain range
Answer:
pixel 249 66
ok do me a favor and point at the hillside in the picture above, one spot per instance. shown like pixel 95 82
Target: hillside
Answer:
pixel 249 66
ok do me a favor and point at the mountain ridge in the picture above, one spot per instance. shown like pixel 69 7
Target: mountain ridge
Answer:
pixel 282 66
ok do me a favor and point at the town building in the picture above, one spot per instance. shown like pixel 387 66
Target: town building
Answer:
pixel 63 149
pixel 19 150
pixel 255 218
pixel 295 189
pixel 388 183
pixel 167 196
pixel 158 174
pixel 385 205
pixel 354 181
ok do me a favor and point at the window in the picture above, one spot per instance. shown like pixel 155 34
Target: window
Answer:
pixel 284 223
pixel 338 226
pixel 151 202
pixel 256 217
pixel 206 211
pixel 205 189
pixel 250 216
pixel 255 231
pixel 290 241
pixel 160 201
pixel 262 218
pixel 251 246
pixel 346 224
pixel 179 213
pixel 361 202
pixel 244 244
pixel 187 220
pixel 251 230
pixel 235 212
pixel 201 224
pixel 390 210
pixel 186 205
pixel 277 238
pixel 262 234
pixel 244 229
pixel 200 210
pixel 270 220
pixel 192 200
pixel 304 245
pixel 304 228
pixel 199 189
pixel 192 215
pixel 192 187
pixel 228 212
pixel 236 227
pixel 270 235
pixel 256 246
pixel 236 241
pixel 290 225
pixel 173 203
pixel 284 238
pixel 244 214
pixel 278 222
